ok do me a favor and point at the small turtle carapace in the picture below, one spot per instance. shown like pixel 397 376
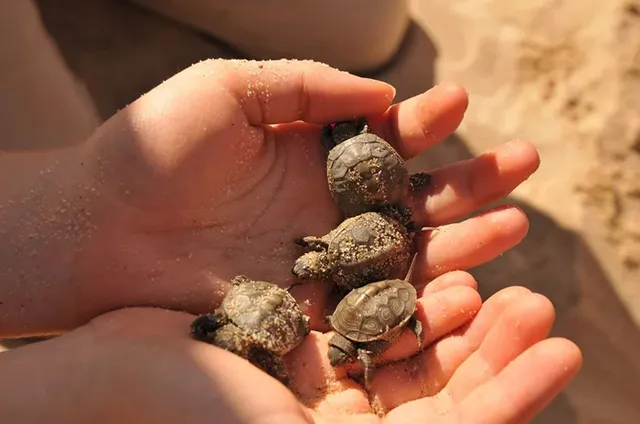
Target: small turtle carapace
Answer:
pixel 369 320
pixel 362 249
pixel 258 321
pixel 364 171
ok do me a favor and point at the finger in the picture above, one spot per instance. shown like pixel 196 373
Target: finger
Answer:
pixel 217 99
pixel 426 374
pixel 461 188
pixel 469 243
pixel 524 323
pixel 525 386
pixel 420 122
pixel 281 91
pixel 141 322
pixel 445 281
pixel 475 331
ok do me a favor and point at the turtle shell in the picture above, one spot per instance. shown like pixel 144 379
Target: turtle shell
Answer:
pixel 377 311
pixel 364 173
pixel 367 248
pixel 268 314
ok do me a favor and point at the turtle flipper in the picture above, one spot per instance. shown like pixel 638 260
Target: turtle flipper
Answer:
pixel 366 359
pixel 204 327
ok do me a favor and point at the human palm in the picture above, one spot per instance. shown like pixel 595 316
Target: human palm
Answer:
pixel 215 173
pixel 485 363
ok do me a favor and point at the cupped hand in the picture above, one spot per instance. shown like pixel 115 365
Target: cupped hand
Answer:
pixel 216 171
pixel 488 363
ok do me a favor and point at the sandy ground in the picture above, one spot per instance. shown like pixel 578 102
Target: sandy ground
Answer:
pixel 563 74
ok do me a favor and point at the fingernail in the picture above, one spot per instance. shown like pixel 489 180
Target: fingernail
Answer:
pixel 451 87
pixel 393 90
pixel 388 86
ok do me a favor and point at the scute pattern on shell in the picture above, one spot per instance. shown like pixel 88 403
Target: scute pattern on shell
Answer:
pixel 364 173
pixel 366 237
pixel 368 248
pixel 371 312
pixel 267 313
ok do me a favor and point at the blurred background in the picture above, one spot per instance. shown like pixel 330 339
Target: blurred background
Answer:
pixel 564 74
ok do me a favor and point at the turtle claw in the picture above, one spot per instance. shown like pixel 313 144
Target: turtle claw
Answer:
pixel 416 327
pixel 313 243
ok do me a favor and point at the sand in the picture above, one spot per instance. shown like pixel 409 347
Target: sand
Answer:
pixel 562 74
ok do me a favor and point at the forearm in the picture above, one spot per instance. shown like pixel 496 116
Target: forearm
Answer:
pixel 45 219
pixel 42 104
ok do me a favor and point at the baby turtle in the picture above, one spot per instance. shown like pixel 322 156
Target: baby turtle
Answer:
pixel 258 321
pixel 364 171
pixel 369 320
pixel 369 247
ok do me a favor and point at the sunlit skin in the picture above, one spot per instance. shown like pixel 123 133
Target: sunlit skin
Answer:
pixel 214 173
pixel 266 180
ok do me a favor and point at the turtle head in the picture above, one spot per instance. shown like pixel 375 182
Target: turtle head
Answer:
pixel 311 266
pixel 344 130
pixel 204 326
pixel 337 357
pixel 341 350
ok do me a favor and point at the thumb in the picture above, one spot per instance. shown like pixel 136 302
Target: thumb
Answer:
pixel 216 100
pixel 281 91
pixel 272 92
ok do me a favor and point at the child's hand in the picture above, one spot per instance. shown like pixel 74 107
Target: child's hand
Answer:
pixel 141 366
pixel 208 176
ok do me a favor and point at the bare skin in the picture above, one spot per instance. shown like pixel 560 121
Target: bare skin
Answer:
pixel 191 185
pixel 194 183
pixel 332 32
pixel 491 364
